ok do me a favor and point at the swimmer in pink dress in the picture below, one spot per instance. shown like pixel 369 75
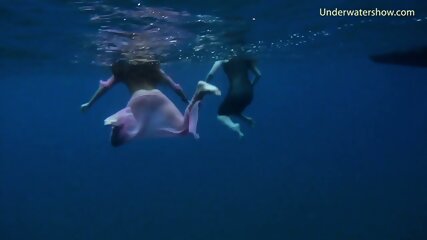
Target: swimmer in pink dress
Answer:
pixel 149 113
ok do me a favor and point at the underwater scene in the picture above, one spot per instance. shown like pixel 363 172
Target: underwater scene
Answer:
pixel 213 120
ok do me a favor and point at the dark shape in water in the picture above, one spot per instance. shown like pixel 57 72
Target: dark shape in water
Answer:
pixel 416 57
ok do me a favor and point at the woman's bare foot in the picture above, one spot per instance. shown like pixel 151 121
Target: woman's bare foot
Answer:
pixel 110 121
pixel 247 120
pixel 226 120
pixel 236 128
pixel 204 88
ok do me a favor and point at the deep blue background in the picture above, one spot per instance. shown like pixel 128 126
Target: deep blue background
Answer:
pixel 338 152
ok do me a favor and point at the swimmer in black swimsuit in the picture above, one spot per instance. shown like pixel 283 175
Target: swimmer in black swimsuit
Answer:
pixel 240 92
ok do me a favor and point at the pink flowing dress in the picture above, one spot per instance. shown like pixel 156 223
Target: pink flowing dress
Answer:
pixel 149 113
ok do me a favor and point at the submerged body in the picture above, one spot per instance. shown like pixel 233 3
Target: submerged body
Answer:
pixel 240 92
pixel 149 113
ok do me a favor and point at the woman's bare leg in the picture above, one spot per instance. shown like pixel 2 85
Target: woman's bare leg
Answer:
pixel 226 120
pixel 202 89
pixel 247 120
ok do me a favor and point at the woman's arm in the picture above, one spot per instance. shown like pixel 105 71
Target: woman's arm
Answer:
pixel 103 87
pixel 214 68
pixel 175 86
pixel 254 69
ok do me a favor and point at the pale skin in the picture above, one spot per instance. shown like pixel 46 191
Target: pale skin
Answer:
pixel 133 86
pixel 226 119
pixel 141 79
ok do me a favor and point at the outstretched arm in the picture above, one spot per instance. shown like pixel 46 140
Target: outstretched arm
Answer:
pixel 175 86
pixel 103 87
pixel 254 69
pixel 214 68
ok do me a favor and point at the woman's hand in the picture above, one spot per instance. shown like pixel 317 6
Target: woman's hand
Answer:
pixel 84 107
pixel 185 99
pixel 180 92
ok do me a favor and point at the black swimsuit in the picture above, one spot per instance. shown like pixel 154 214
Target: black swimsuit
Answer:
pixel 240 93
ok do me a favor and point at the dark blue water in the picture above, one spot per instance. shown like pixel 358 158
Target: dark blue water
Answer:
pixel 338 151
